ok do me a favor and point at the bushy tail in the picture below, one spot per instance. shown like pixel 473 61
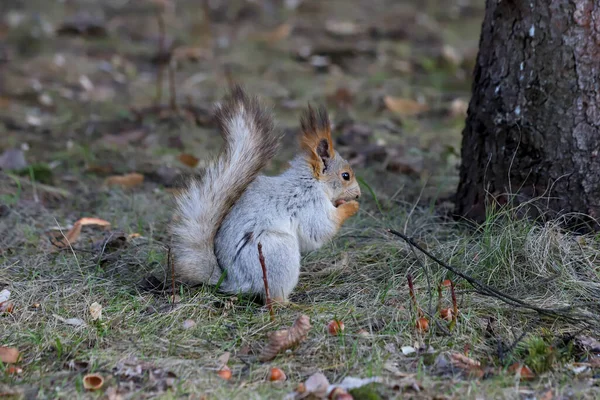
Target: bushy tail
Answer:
pixel 250 142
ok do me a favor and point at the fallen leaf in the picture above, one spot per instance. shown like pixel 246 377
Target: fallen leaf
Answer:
pixel 278 34
pixel 125 181
pixel 461 359
pixel 468 365
pixel 96 311
pixel 404 107
pixel 9 355
pixel 73 234
pixel 93 381
pixel 522 370
pixel 4 295
pixel 191 53
pixel 286 338
pixel 188 159
pixel 93 221
pixel 223 359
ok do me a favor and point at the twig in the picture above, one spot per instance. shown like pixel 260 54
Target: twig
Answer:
pixel 261 258
pixel 411 291
pixel 490 291
pixel 41 186
pixel 172 265
pixel 454 303
pixel 426 269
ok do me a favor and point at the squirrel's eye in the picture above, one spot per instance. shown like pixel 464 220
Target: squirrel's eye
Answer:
pixel 346 176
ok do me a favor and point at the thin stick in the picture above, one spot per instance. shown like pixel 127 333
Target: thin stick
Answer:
pixel 454 303
pixel 484 289
pixel 172 265
pixel 261 258
pixel 411 291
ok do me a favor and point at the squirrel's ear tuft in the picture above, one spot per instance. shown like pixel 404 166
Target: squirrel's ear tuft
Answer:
pixel 316 139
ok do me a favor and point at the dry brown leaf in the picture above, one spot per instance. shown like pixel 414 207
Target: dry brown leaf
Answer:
pixel 468 365
pixel 73 235
pixel 523 370
pixel 278 34
pixel 191 53
pixel 286 338
pixel 125 181
pixel 461 359
pixel 93 221
pixel 404 107
pixel 188 159
pixel 93 381
pixel 9 355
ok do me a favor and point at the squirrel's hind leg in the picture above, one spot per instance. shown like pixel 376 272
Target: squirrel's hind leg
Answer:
pixel 282 259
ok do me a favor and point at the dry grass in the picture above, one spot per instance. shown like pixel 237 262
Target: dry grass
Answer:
pixel 360 279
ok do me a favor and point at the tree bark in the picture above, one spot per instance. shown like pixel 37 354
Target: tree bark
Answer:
pixel 533 128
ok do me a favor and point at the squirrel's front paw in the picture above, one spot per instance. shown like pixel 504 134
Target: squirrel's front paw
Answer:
pixel 346 210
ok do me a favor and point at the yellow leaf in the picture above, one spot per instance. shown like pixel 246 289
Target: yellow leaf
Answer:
pixel 188 160
pixel 125 181
pixel 404 107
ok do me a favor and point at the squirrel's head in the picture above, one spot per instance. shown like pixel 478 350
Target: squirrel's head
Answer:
pixel 326 165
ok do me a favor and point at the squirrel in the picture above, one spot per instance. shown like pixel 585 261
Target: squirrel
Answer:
pixel 220 219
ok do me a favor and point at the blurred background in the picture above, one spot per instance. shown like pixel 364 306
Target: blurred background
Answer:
pixel 90 89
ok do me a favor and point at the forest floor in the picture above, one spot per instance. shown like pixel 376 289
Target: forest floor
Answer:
pixel 78 106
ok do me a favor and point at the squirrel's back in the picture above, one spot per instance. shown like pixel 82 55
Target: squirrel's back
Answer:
pixel 250 143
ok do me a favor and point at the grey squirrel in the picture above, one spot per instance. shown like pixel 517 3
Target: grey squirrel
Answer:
pixel 221 218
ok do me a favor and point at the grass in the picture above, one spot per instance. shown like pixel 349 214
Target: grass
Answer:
pixel 142 346
pixel 359 279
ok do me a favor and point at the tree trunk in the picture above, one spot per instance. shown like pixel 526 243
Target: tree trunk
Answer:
pixel 533 126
